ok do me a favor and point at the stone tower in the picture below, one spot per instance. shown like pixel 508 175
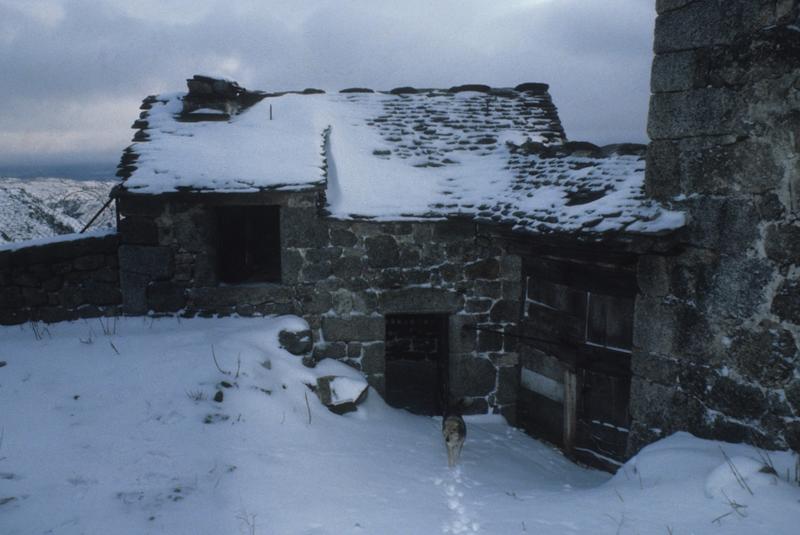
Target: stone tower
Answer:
pixel 721 320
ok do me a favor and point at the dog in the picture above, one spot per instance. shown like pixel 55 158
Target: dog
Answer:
pixel 454 431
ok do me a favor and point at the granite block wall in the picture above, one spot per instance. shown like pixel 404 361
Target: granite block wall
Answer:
pixel 717 327
pixel 60 280
pixel 369 269
pixel 343 277
pixel 168 256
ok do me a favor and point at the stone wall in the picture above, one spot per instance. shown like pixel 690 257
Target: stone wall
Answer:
pixel 342 277
pixel 168 256
pixel 717 327
pixel 61 280
pixel 369 269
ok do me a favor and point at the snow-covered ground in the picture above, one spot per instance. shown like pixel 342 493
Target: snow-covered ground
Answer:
pixel 111 428
pixel 33 208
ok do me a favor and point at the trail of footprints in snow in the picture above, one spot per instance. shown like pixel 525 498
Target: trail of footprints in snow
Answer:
pixel 460 521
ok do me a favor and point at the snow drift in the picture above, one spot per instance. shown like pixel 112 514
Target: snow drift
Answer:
pixel 110 426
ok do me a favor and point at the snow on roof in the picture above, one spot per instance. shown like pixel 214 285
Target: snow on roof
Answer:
pixel 496 155
pixel 247 152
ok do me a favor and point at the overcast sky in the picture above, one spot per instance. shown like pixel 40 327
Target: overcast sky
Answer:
pixel 73 72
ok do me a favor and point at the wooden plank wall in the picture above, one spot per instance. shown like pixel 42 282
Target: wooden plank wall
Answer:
pixel 575 341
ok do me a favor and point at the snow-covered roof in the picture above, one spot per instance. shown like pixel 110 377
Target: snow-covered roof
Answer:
pixel 491 154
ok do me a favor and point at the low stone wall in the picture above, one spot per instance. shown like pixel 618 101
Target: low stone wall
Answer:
pixel 60 280
pixel 717 327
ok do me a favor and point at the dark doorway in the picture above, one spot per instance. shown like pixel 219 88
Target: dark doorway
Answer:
pixel 249 246
pixel 416 362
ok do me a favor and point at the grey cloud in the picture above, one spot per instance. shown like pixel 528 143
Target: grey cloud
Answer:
pixel 80 69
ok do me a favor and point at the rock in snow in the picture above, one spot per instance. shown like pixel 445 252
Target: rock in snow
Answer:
pixel 341 394
pixel 296 342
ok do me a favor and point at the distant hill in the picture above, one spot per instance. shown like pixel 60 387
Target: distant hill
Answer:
pixel 76 171
pixel 42 207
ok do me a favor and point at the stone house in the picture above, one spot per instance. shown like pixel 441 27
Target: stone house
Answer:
pixel 454 244
pixel 450 244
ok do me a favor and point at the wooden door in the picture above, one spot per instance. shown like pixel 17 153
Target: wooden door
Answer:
pixel 576 339
pixel 417 362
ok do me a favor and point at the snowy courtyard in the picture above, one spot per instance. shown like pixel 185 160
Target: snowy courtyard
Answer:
pixel 112 427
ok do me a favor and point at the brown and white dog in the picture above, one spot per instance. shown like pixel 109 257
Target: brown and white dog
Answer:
pixel 454 431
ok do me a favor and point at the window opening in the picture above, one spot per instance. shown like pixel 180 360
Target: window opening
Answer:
pixel 248 247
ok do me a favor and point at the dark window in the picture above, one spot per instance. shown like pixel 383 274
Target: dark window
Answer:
pixel 605 320
pixel 249 247
pixel 610 321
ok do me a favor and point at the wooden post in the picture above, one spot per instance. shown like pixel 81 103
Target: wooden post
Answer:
pixel 100 211
pixel 570 409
